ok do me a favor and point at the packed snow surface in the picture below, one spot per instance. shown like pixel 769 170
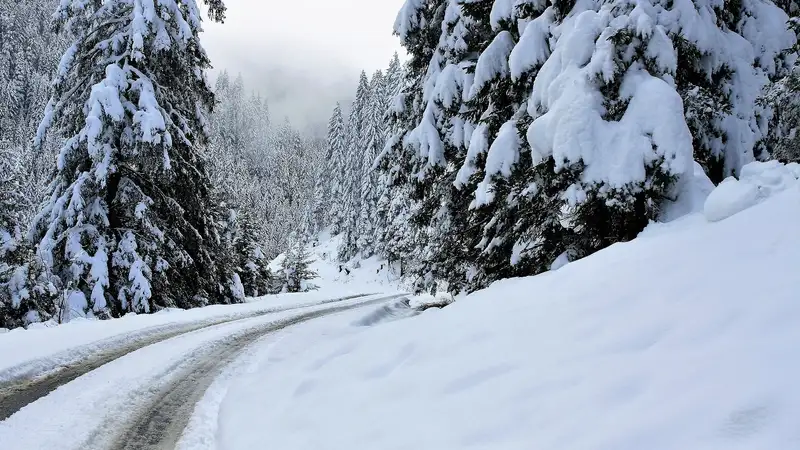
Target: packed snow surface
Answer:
pixel 87 412
pixel 39 348
pixel 685 338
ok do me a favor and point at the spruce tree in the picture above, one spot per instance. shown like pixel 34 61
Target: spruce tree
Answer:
pixel 356 147
pixel 130 224
pixel 337 169
pixel 296 271
pixel 26 292
pixel 374 137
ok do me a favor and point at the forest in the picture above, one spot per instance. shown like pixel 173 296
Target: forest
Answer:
pixel 513 137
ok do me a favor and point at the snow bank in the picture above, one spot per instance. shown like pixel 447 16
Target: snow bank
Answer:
pixel 758 181
pixel 686 339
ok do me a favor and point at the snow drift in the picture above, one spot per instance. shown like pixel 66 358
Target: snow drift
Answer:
pixel 685 338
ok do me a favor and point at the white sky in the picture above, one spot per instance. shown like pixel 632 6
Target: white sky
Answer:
pixel 304 55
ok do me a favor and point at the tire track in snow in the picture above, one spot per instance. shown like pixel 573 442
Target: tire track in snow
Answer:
pixel 160 424
pixel 20 391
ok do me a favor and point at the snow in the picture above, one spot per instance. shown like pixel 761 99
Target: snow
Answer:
pixel 572 127
pixel 686 338
pixel 532 50
pixel 478 144
pixel 502 156
pixel 87 412
pixel 493 62
pixel 690 195
pixel 502 10
pixel 409 18
pixel 758 181
pixel 38 349
pixel 367 275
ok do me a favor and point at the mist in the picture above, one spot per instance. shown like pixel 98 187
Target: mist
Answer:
pixel 303 56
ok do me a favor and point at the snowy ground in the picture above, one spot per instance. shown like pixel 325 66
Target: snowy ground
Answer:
pixel 686 338
pixel 367 275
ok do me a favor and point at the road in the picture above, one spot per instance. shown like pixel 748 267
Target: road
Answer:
pixel 138 414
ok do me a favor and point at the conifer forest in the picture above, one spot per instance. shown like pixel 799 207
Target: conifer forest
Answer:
pixel 509 138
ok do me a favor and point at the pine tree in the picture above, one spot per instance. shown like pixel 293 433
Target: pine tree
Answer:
pixel 781 101
pixel 27 292
pixel 29 56
pixel 483 95
pixel 329 176
pixel 375 137
pixel 336 170
pixel 392 200
pixel 402 237
pixel 130 224
pixel 296 271
pixel 720 99
pixel 290 186
pixel 356 133
pixel 430 144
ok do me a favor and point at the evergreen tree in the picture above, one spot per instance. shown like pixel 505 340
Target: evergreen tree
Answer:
pixel 783 100
pixel 130 224
pixel 356 134
pixel 27 291
pixel 336 170
pixel 720 99
pixel 296 271
pixel 402 236
pixel 290 186
pixel 375 137
pixel 395 77
pixel 329 177
pixel 29 56
pixel 544 170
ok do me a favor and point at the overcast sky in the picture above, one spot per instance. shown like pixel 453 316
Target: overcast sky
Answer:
pixel 304 55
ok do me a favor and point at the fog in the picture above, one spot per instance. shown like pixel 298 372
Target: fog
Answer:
pixel 303 55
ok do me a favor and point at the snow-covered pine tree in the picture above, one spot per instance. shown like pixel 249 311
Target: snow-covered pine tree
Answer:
pixel 336 171
pixel 329 176
pixel 401 239
pixel 781 100
pixel 11 201
pixel 375 138
pixel 387 193
pixel 604 160
pixel 510 39
pixel 27 291
pixel 562 199
pixel 296 271
pixel 356 147
pixel 29 55
pixel 394 79
pixel 251 264
pixel 435 136
pixel 723 66
pixel 290 186
pixel 130 224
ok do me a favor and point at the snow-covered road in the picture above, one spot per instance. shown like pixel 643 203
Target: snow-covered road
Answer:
pixel 137 390
pixel 30 381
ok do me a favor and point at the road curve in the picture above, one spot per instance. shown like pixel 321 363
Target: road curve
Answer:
pixel 160 424
pixel 21 391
